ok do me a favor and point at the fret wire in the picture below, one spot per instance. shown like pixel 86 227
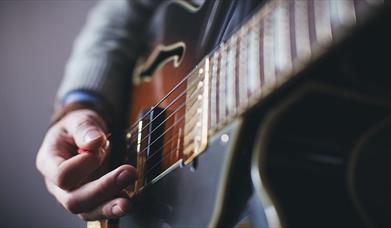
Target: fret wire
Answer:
pixel 237 72
pixel 342 14
pixel 261 57
pixel 243 96
pixel 268 53
pixel 222 84
pixel 283 60
pixel 301 25
pixel 213 96
pixel 231 66
pixel 252 66
pixel 209 95
pixel 322 22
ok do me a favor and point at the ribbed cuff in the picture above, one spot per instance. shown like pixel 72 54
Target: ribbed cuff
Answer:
pixel 105 78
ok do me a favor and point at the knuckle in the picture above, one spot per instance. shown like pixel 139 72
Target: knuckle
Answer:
pixel 71 205
pixel 61 180
pixel 96 159
pixel 105 188
pixel 92 116
pixel 84 123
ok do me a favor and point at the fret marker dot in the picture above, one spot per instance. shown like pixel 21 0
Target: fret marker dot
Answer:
pixel 224 138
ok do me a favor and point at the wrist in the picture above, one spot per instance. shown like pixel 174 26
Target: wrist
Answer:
pixel 77 100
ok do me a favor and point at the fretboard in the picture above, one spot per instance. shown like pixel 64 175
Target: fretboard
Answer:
pixel 276 42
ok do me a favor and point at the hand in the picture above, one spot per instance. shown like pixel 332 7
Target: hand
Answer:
pixel 68 175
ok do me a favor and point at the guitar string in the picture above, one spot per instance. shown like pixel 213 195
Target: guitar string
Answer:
pixel 159 162
pixel 162 159
pixel 191 86
pixel 165 120
pixel 258 23
pixel 169 141
pixel 168 129
pixel 162 147
pixel 173 90
pixel 177 110
pixel 135 125
pixel 161 135
pixel 149 170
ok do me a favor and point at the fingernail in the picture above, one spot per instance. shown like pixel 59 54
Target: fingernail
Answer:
pixel 92 135
pixel 124 179
pixel 117 210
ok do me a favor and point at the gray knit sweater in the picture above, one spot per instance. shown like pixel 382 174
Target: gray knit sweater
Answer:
pixel 107 46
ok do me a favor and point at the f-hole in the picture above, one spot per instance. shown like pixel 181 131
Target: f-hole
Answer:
pixel 160 56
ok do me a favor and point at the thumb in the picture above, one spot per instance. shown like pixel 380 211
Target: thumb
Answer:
pixel 87 129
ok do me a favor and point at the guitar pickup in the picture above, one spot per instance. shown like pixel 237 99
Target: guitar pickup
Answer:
pixel 150 138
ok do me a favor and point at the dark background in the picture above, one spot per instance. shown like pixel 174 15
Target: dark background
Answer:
pixel 35 41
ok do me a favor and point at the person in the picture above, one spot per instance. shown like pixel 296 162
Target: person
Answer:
pixel 88 106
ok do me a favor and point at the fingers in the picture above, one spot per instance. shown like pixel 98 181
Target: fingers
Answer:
pixel 75 171
pixel 90 197
pixel 56 163
pixel 56 159
pixel 112 209
pixel 87 129
pixel 67 172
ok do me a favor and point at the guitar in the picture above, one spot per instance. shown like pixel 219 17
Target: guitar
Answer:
pixel 287 117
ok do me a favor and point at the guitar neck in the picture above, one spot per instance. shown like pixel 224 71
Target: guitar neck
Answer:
pixel 275 43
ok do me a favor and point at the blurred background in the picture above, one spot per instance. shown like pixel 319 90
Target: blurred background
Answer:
pixel 35 41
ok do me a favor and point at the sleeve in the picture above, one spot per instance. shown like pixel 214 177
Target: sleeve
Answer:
pixel 105 51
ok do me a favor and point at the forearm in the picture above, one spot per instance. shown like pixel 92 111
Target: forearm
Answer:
pixel 103 54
